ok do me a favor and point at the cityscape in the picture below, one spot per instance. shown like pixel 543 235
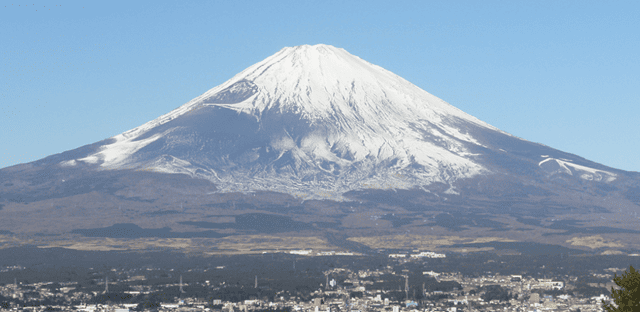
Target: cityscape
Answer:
pixel 411 281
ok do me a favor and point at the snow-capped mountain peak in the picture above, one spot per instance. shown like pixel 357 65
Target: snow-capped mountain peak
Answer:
pixel 322 81
pixel 310 120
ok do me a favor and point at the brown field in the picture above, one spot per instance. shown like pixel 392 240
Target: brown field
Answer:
pixel 422 242
pixel 240 244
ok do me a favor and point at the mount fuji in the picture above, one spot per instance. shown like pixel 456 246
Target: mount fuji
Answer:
pixel 315 126
pixel 309 120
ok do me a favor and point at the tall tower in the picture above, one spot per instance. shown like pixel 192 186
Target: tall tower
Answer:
pixel 181 291
pixel 256 284
pixel 15 283
pixel 326 285
pixel 106 284
pixel 406 286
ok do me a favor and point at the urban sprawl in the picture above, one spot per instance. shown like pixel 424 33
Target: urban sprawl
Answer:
pixel 386 288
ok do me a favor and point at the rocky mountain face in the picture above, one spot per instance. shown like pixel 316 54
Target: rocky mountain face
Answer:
pixel 326 142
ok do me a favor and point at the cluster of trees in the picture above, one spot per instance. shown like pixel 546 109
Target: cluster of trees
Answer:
pixel 627 298
pixel 495 292
pixel 5 303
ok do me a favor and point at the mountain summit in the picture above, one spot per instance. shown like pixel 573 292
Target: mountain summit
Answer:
pixel 308 120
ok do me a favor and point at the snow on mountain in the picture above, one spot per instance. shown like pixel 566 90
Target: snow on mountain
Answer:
pixel 566 166
pixel 309 121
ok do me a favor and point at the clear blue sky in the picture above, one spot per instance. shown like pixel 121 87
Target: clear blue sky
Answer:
pixel 562 73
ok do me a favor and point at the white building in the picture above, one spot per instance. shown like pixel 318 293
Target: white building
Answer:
pixel 301 252
pixel 428 254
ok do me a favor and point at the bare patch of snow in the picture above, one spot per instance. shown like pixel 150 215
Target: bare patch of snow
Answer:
pixel 118 152
pixel 68 163
pixel 584 172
